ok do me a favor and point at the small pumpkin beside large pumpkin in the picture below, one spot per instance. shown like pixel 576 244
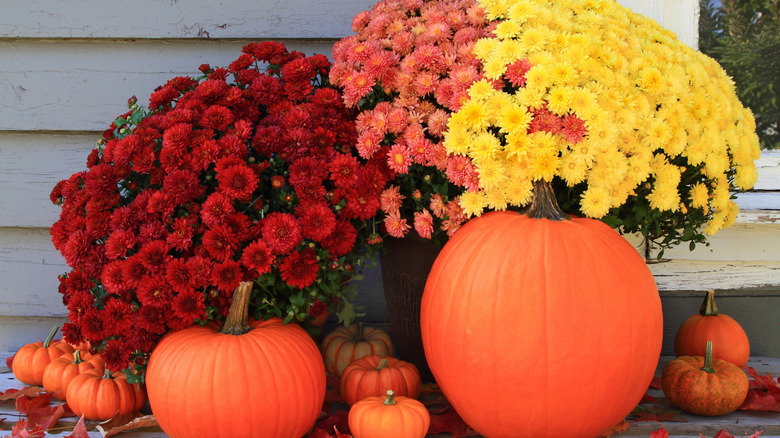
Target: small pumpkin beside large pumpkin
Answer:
pixel 388 416
pixel 374 375
pixel 344 345
pixel 101 395
pixel 31 360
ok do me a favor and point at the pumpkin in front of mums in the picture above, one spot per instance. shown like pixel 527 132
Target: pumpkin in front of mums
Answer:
pixel 518 304
pixel 344 345
pixel 374 375
pixel 388 416
pixel 101 395
pixel 264 379
pixel 60 371
pixel 729 340
pixel 31 360
pixel 703 385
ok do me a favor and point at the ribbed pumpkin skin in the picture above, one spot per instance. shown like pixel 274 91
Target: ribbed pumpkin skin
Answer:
pixel 729 340
pixel 362 379
pixel 99 398
pixel 59 373
pixel 31 360
pixel 539 328
pixel 267 383
pixel 372 418
pixel 340 347
pixel 689 388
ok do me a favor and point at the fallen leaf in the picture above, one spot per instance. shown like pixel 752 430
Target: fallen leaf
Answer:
pixel 25 404
pixel 336 419
pixel 656 383
pixel 764 393
pixel 80 431
pixel 13 394
pixel 45 416
pixel 120 424
pixel 659 433
pixel 620 427
pixel 723 434
pixel 341 435
pixel 332 390
pixel 318 433
pixel 654 413
pixel 450 422
pixel 647 398
pixel 22 430
pixel 9 362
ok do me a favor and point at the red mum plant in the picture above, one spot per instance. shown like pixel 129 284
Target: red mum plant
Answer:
pixel 245 173
pixel 407 69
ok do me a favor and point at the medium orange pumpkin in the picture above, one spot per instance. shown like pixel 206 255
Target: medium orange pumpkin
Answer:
pixel 101 395
pixel 264 379
pixel 388 416
pixel 59 373
pixel 344 345
pixel 703 385
pixel 31 360
pixel 517 305
pixel 728 337
pixel 374 375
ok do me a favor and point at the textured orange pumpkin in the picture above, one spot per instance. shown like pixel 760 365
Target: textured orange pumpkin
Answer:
pixel 388 417
pixel 729 340
pixel 374 375
pixel 703 385
pixel 344 345
pixel 516 307
pixel 60 371
pixel 31 360
pixel 264 379
pixel 100 395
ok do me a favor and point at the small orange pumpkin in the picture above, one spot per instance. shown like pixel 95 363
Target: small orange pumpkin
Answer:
pixel 389 417
pixel 374 375
pixel 730 340
pixel 60 371
pixel 31 360
pixel 703 385
pixel 344 345
pixel 101 395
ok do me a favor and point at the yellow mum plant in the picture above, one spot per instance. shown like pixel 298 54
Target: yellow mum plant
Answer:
pixel 624 122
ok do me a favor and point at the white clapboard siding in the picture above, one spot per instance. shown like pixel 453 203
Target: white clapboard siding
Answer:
pixel 83 85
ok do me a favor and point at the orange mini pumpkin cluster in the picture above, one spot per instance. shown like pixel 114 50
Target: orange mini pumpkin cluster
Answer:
pixel 707 377
pixel 381 390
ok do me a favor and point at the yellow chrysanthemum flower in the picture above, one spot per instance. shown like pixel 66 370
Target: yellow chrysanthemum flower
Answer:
pixel 699 196
pixel 457 140
pixel 664 198
pixel 519 192
pixel 472 116
pixel 595 202
pixel 484 147
pixel 473 203
pixel 573 169
pixel 496 199
pixel 507 29
pixel 481 90
pixel 514 119
pixel 559 99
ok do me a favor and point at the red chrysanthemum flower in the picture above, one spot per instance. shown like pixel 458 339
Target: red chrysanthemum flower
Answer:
pixel 119 243
pixel 178 275
pixel 154 255
pixel 317 220
pixel 341 240
pixel 257 258
pixel 226 275
pixel 343 170
pixel 238 182
pixel 200 271
pixel 297 272
pixel 574 128
pixel 220 241
pixel 154 291
pixel 216 208
pixel 113 278
pixel 190 306
pixel 116 354
pixel 281 232
pixel 93 326
pixel 516 71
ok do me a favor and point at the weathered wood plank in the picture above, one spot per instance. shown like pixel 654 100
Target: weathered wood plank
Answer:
pixel 684 276
pixel 243 19
pixel 16 331
pixel 768 170
pixel 84 85
pixel 751 241
pixel 246 19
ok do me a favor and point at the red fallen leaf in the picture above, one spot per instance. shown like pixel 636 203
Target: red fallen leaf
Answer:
pixel 341 435
pixel 659 433
pixel 654 413
pixel 25 404
pixel 13 394
pixel 647 398
pixel 723 434
pixel 337 419
pixel 21 430
pixel 46 416
pixel 318 433
pixel 332 390
pixel 620 427
pixel 122 423
pixel 450 422
pixel 656 383
pixel 764 393
pixel 9 362
pixel 80 431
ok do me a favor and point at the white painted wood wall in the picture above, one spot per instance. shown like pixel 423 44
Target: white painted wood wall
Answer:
pixel 68 67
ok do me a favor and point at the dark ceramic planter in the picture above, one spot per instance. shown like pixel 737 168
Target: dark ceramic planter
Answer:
pixel 405 269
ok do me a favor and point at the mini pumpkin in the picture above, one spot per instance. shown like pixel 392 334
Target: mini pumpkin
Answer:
pixel 102 395
pixel 344 345
pixel 388 417
pixel 374 375
pixel 59 373
pixel 703 385
pixel 729 338
pixel 31 360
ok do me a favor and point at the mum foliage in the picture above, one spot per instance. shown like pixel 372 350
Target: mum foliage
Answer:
pixel 627 123
pixel 407 68
pixel 240 174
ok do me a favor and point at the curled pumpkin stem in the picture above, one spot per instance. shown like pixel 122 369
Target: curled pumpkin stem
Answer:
pixel 544 204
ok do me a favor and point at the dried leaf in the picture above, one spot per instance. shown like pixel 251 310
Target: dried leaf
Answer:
pixel 120 424
pixel 25 404
pixel 46 416
pixel 339 434
pixel 659 433
pixel 654 413
pixel 337 419
pixel 723 434
pixel 450 422
pixel 23 430
pixel 620 427
pixel 9 362
pixel 647 398
pixel 13 394
pixel 319 433
pixel 332 390
pixel 80 431
pixel 764 393
pixel 656 383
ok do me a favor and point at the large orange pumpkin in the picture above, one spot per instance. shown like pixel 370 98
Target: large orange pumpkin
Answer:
pixel 541 328
pixel 264 379
pixel 729 340
pixel 31 360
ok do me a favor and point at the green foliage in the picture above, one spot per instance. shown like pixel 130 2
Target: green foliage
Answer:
pixel 744 37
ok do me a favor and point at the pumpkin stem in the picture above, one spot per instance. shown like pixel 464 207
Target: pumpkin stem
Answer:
pixel 358 332
pixel 382 363
pixel 544 204
pixel 49 338
pixel 390 400
pixel 237 321
pixel 708 358
pixel 708 307
pixel 107 374
pixel 77 357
